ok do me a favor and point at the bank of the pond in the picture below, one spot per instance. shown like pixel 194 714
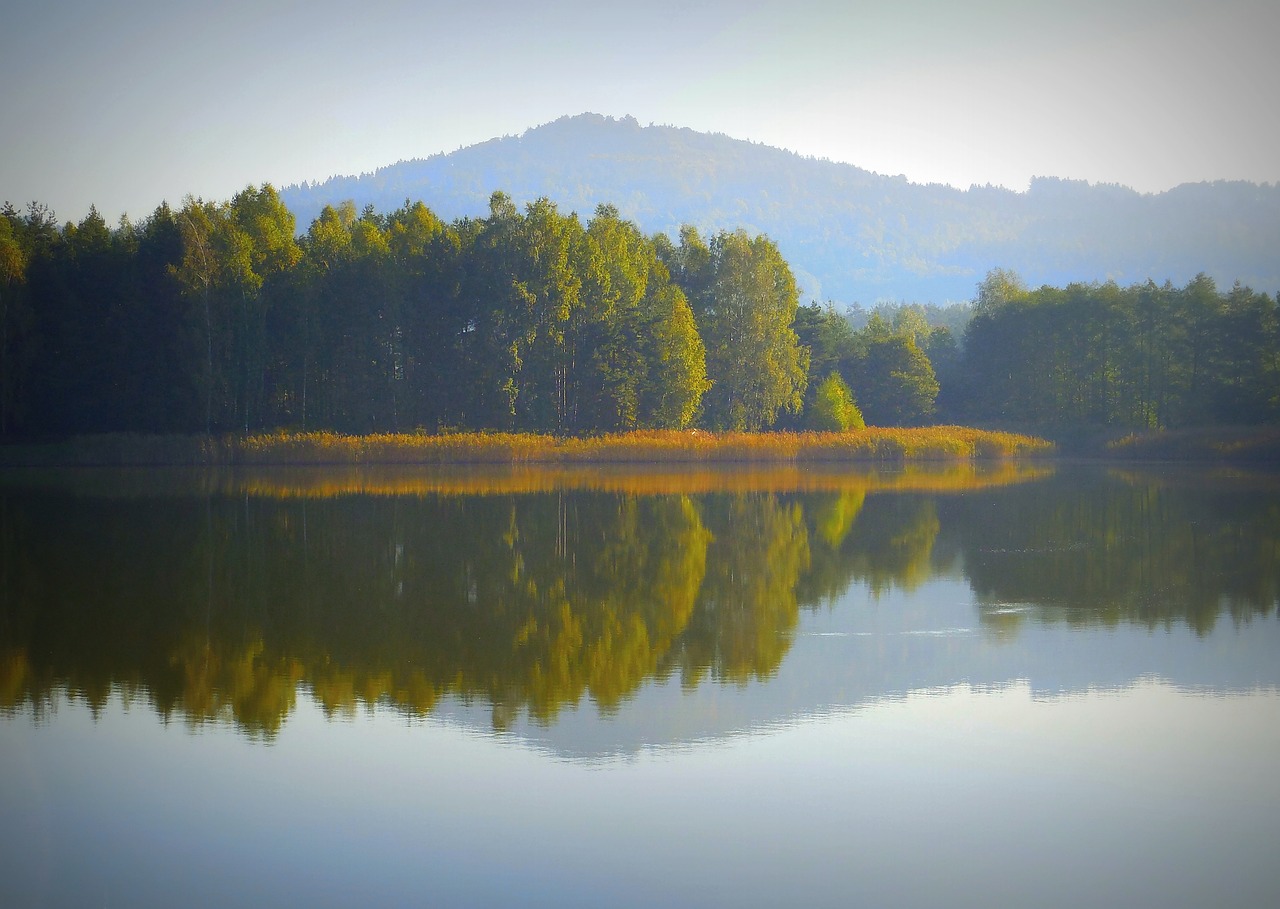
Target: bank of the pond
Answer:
pixel 1253 445
pixel 935 443
pixel 1244 445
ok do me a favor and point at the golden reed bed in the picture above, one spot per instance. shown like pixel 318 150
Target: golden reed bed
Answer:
pixel 894 445
pixel 932 443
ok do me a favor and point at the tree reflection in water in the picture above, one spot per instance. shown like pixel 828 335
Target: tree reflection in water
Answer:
pixel 218 604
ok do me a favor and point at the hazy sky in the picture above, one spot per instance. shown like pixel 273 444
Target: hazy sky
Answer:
pixel 128 103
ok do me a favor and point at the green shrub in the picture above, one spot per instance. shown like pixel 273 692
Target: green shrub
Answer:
pixel 833 408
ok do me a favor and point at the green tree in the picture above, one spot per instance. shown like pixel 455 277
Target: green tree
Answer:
pixel 911 320
pixel 200 273
pixel 895 381
pixel 235 258
pixel 1247 355
pixel 16 321
pixel 619 263
pixel 755 363
pixel 304 326
pixel 547 286
pixel 690 265
pixel 671 394
pixel 829 337
pixel 80 284
pixel 648 365
pixel 498 334
pixel 156 369
pixel 258 249
pixel 1000 286
pixel 833 408
pixel 1144 356
pixel 425 258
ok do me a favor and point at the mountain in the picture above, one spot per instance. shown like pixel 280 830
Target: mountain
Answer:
pixel 849 234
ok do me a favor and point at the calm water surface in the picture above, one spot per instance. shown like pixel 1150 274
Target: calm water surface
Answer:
pixel 1005 686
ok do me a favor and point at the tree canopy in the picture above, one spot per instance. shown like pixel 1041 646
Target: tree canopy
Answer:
pixel 221 317
pixel 1147 356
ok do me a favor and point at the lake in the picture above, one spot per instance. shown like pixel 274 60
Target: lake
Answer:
pixel 1041 685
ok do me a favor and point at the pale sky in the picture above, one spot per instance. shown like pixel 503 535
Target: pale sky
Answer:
pixel 128 103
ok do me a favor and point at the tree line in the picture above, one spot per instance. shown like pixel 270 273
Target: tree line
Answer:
pixel 1146 356
pixel 221 316
pixel 218 317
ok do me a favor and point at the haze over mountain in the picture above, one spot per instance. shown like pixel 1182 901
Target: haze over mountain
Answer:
pixel 850 235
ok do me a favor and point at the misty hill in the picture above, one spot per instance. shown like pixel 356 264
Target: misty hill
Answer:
pixel 849 234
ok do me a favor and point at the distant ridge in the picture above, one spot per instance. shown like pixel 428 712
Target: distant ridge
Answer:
pixel 850 235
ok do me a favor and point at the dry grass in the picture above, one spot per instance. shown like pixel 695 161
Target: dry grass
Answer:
pixel 943 443
pixel 938 443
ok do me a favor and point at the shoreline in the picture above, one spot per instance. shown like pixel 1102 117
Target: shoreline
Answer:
pixel 874 445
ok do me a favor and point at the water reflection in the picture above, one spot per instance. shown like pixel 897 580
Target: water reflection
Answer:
pixel 216 597
pixel 1150 550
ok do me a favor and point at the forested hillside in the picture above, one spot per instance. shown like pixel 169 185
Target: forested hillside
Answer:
pixel 850 236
